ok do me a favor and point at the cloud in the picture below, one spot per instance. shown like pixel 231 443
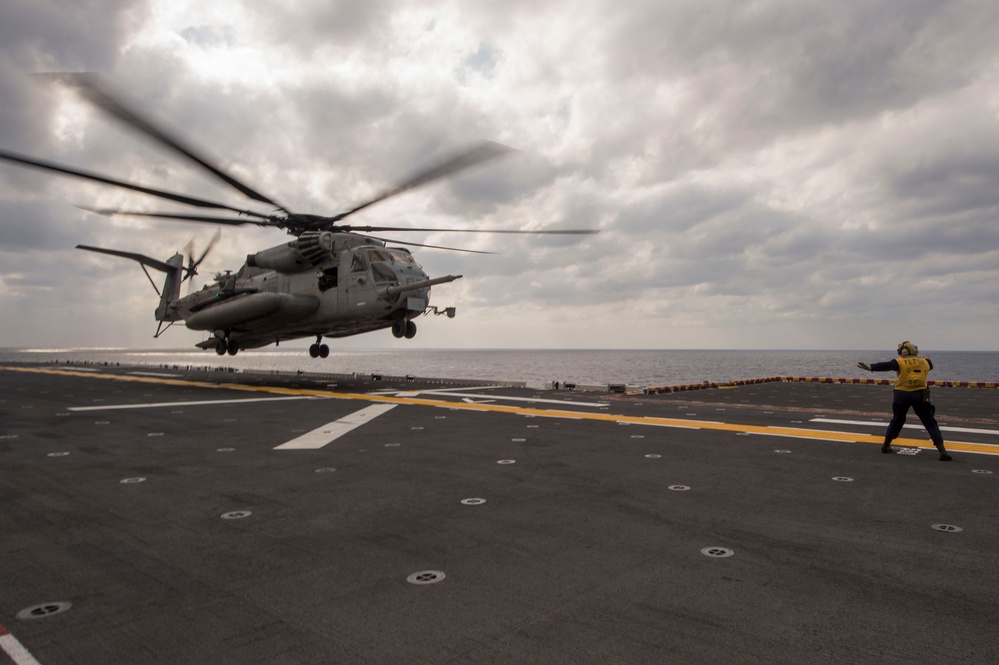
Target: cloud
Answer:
pixel 766 174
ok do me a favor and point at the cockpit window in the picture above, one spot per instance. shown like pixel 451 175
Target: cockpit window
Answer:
pixel 403 257
pixel 393 255
pixel 359 263
pixel 382 273
pixel 376 255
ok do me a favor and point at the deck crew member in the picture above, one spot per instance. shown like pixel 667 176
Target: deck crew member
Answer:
pixel 911 390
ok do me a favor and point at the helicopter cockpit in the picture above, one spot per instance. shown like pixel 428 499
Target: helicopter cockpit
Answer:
pixel 387 266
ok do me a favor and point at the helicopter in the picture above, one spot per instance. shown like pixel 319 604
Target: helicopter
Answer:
pixel 332 280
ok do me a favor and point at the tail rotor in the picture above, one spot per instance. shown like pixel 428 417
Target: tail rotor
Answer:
pixel 192 265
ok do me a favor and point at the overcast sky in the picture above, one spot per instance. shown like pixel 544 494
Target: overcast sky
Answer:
pixel 770 175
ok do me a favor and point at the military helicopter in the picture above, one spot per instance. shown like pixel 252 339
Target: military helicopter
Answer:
pixel 333 280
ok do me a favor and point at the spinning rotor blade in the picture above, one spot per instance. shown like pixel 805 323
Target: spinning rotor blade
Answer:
pixel 265 220
pixel 481 153
pixel 369 229
pixel 192 265
pixel 211 245
pixel 180 198
pixel 89 86
pixel 144 260
pixel 417 244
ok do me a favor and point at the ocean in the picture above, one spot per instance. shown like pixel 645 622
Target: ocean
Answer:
pixel 536 368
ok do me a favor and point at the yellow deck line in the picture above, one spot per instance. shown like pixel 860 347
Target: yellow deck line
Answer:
pixel 794 432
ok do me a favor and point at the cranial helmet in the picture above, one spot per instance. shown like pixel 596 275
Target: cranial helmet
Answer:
pixel 913 350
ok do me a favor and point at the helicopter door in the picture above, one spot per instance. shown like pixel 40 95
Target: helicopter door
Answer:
pixel 356 276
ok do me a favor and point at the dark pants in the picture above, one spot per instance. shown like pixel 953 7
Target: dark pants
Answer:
pixel 919 401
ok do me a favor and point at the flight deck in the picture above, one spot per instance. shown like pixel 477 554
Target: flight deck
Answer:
pixel 160 515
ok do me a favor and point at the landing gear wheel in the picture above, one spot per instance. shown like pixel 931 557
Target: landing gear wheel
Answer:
pixel 410 330
pixel 324 351
pixel 399 328
pixel 221 347
pixel 314 350
pixel 233 347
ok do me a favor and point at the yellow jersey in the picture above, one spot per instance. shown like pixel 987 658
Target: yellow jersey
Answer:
pixel 912 373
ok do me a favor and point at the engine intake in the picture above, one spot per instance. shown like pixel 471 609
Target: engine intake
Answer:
pixel 299 255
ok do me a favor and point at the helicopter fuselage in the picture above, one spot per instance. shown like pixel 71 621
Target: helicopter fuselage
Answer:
pixel 319 285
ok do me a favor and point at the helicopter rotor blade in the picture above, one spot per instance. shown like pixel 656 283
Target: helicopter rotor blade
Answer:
pixel 477 155
pixel 189 253
pixel 192 264
pixel 264 219
pixel 418 244
pixel 370 229
pixel 211 245
pixel 76 173
pixel 89 85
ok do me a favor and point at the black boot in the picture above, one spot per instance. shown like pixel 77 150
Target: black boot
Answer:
pixel 886 448
pixel 944 457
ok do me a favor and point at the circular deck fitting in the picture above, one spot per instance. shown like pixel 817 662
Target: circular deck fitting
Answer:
pixel 440 417
pixel 44 610
pixel 132 481
pixel 678 488
pixel 236 515
pixel 59 454
pixel 426 577
pixel 782 452
pixel 984 472
pixel 473 501
pixel 843 479
pixel 717 552
pixel 654 456
pixel 518 440
pixel 533 426
pixel 638 436
pixel 155 434
pixel 947 528
pixel 326 469
pixel 416 428
pixel 507 461
pixel 224 450
pixel 392 445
